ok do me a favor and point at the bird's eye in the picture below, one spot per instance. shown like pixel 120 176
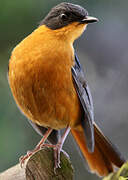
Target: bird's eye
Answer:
pixel 63 16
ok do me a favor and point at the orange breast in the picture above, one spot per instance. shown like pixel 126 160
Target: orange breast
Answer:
pixel 41 81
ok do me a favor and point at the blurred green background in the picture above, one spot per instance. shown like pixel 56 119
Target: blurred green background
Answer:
pixel 103 51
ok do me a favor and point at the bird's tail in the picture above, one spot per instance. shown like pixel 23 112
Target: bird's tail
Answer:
pixel 105 154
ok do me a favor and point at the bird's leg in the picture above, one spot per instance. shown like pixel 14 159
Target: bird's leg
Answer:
pixel 29 153
pixel 58 148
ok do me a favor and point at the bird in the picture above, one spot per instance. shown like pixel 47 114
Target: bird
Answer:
pixel 49 86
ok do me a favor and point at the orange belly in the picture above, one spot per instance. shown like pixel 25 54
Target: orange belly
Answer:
pixel 45 93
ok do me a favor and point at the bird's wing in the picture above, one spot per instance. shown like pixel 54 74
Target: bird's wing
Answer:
pixel 85 98
pixel 52 138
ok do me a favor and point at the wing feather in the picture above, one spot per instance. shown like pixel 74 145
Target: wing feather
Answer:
pixel 85 97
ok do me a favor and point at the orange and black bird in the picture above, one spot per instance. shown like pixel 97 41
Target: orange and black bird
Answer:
pixel 49 86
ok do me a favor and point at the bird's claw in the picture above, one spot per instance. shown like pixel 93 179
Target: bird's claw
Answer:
pixel 23 158
pixel 57 150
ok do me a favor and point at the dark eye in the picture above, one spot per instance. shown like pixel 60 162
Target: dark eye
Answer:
pixel 64 16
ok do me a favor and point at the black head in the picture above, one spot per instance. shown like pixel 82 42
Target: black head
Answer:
pixel 65 14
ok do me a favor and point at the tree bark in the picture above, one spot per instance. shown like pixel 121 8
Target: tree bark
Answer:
pixel 40 166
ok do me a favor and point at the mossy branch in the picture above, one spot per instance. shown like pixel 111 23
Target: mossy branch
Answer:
pixel 41 166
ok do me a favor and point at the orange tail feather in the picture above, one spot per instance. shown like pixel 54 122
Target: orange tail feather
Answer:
pixel 105 154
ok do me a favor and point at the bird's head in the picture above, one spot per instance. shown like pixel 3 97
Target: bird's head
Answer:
pixel 68 20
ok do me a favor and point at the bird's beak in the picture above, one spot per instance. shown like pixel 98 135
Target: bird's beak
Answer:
pixel 89 19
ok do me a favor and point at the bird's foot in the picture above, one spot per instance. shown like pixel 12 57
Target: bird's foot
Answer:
pixel 29 154
pixel 57 149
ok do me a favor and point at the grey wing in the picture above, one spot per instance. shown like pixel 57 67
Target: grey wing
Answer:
pixel 85 98
pixel 53 137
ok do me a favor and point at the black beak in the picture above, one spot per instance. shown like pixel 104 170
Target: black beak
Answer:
pixel 89 19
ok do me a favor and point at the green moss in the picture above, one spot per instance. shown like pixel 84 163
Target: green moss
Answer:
pixel 121 174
